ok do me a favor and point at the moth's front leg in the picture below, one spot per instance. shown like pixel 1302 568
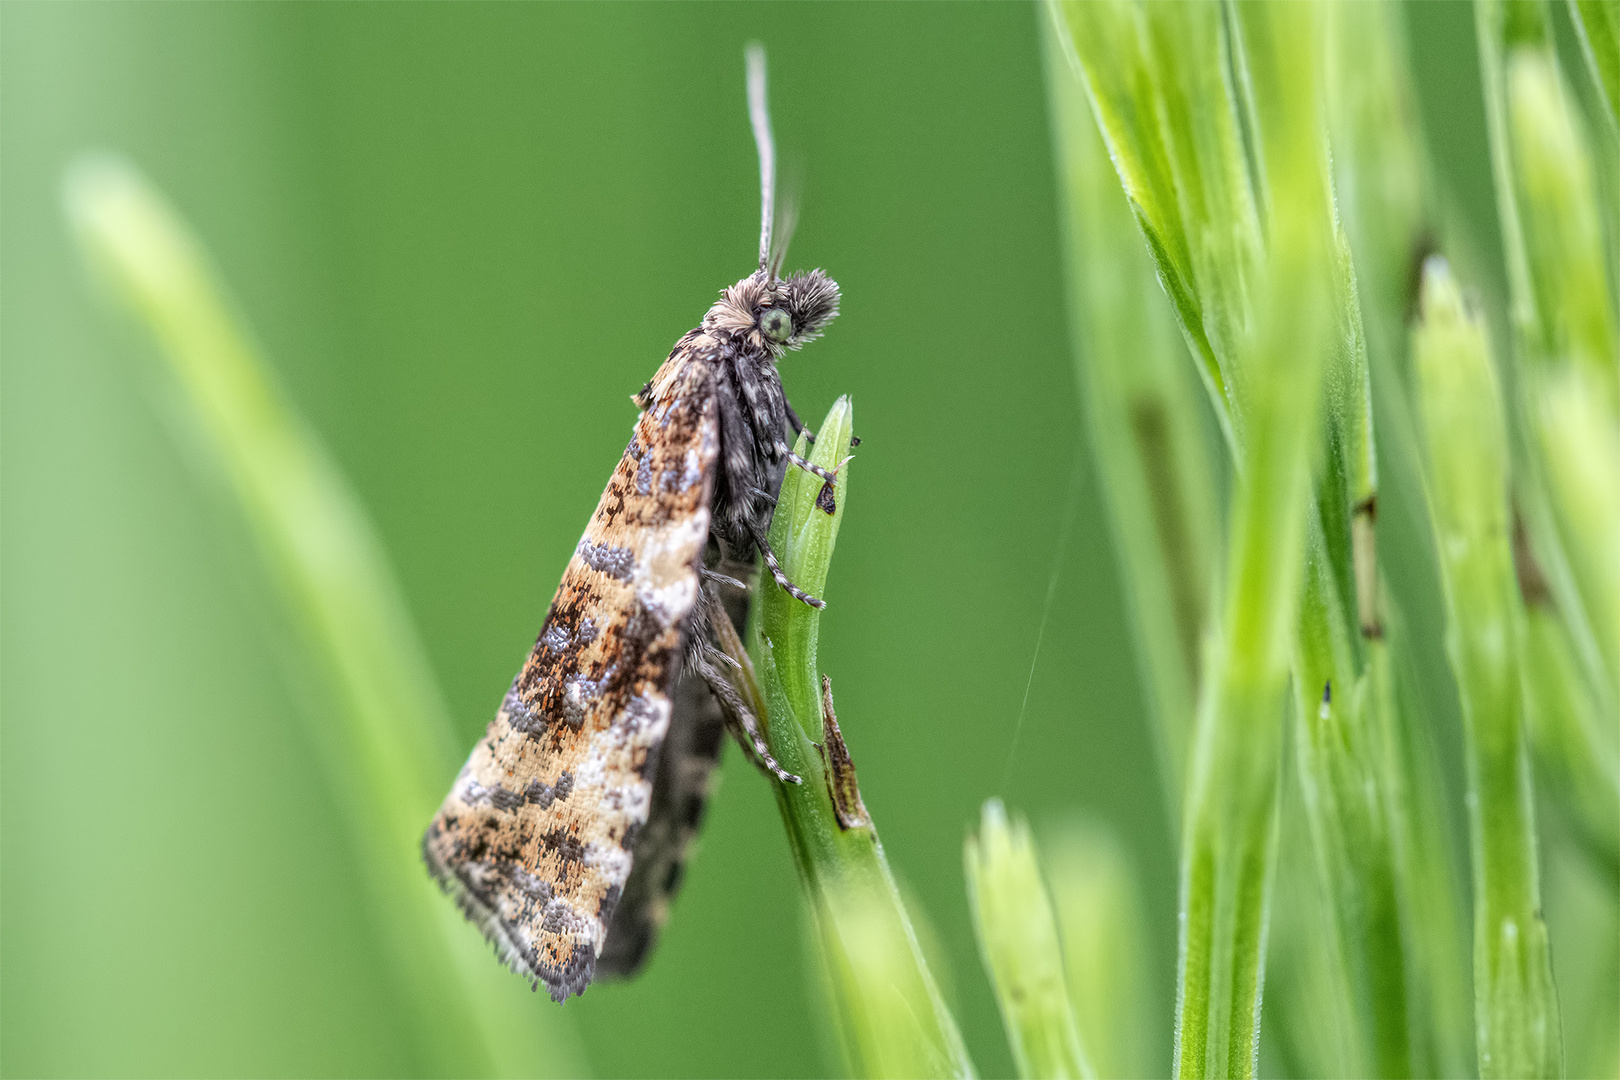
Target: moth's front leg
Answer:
pixel 808 466
pixel 799 426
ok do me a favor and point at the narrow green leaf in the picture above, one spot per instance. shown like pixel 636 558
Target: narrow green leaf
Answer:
pixel 1516 1010
pixel 1106 950
pixel 1576 749
pixel 1018 939
pixel 1151 433
pixel 1428 873
pixel 1229 836
pixel 1344 784
pixel 1597 24
pixel 387 742
pixel 1566 352
pixel 1556 191
pixel 1571 359
pixel 1156 79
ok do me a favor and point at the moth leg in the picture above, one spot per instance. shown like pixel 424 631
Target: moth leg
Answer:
pixel 779 575
pixel 739 718
pixel 722 579
pixel 799 426
pixel 809 467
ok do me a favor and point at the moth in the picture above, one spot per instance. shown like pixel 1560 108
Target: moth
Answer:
pixel 563 837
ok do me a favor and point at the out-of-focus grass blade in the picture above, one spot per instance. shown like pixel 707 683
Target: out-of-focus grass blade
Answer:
pixel 1424 849
pixel 1230 834
pixel 1570 379
pixel 1597 24
pixel 1156 79
pixel 1575 749
pixel 1152 436
pixel 1105 945
pixel 1516 1010
pixel 892 1020
pixel 387 742
pixel 1018 939
pixel 1385 200
pixel 1344 785
pixel 1554 185
pixel 1566 353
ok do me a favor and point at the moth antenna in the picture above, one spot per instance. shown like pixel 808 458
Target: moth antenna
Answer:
pixel 786 218
pixel 759 114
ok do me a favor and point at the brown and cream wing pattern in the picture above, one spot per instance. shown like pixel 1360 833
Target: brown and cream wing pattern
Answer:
pixel 535 838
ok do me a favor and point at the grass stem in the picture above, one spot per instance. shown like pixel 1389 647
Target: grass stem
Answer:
pixel 388 743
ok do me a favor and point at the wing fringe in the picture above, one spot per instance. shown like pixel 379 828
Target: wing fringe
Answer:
pixel 572 979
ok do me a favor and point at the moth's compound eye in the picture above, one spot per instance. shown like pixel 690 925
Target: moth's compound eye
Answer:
pixel 777 324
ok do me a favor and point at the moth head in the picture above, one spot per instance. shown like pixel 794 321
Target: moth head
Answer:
pixel 795 310
pixel 776 312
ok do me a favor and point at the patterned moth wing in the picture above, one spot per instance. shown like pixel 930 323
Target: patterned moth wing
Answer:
pixel 535 839
pixel 681 789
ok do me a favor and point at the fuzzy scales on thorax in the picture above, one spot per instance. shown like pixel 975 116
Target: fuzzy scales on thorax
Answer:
pixel 753 410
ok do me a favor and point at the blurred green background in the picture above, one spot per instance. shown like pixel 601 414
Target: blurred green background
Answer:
pixel 465 234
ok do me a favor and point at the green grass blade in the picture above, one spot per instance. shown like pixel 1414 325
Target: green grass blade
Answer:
pixel 1516 1010
pixel 1597 24
pixel 1576 751
pixel 1554 185
pixel 1018 939
pixel 1105 945
pixel 387 742
pixel 1345 790
pixel 1566 351
pixel 1380 175
pixel 893 1021
pixel 1385 197
pixel 1151 434
pixel 1156 79
pixel 1230 833
pixel 1428 874
pixel 1569 354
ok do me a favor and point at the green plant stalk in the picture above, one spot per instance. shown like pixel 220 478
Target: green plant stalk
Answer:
pixel 1565 348
pixel 1346 478
pixel 1380 175
pixel 1310 1027
pixel 891 1017
pixel 1150 434
pixel 1344 776
pixel 1383 194
pixel 1229 839
pixel 1098 905
pixel 1564 336
pixel 1575 750
pixel 1230 831
pixel 1516 1010
pixel 1597 24
pixel 388 748
pixel 1427 877
pixel 1344 789
pixel 1018 940
pixel 1555 188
